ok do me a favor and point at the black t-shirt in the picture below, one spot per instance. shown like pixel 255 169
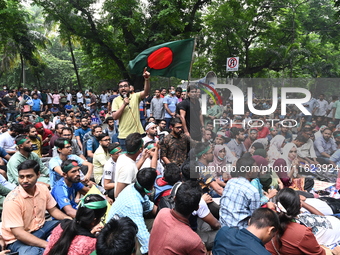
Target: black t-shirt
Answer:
pixel 10 103
pixel 192 117
pixel 148 102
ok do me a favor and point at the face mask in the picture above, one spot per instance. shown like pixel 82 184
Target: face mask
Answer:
pixel 5 88
pixel 173 92
pixel 221 158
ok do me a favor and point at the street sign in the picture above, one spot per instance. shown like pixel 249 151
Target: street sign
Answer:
pixel 232 64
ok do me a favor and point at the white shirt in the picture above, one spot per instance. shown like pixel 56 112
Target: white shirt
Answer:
pixel 80 98
pixel 69 97
pixel 103 98
pixel 7 142
pixel 126 170
pixel 109 171
pixel 49 98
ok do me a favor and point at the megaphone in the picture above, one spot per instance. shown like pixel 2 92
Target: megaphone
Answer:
pixel 210 79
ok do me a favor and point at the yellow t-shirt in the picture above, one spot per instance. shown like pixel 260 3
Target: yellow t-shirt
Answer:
pixel 38 143
pixel 129 121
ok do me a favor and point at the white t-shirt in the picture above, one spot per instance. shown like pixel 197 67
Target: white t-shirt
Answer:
pixel 322 206
pixel 80 98
pixel 7 142
pixel 49 98
pixel 126 170
pixel 147 139
pixel 109 171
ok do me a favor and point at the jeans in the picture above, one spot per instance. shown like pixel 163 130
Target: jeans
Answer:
pixel 122 144
pixel 10 116
pixel 167 120
pixel 42 233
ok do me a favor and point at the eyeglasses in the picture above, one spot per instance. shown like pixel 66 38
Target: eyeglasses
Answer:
pixel 67 147
pixel 123 86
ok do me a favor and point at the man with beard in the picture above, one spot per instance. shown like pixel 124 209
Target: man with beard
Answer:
pixel 92 143
pixel 24 153
pixel 324 146
pixel 65 190
pixel 69 123
pixel 101 156
pixel 36 139
pixel 11 102
pixel 191 114
pixel 251 138
pixel 47 124
pixel 7 139
pixel 151 133
pixel 80 132
pixel 125 108
pixel 25 121
pixel 236 145
pixel 176 145
pixel 58 129
pixel 111 130
pixel 67 133
pixel 46 135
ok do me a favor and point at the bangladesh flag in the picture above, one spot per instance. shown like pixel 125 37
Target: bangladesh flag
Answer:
pixel 171 59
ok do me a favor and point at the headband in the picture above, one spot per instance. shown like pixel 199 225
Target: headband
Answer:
pixel 116 150
pixel 69 167
pixel 203 152
pixel 151 145
pixel 150 125
pixel 22 140
pixel 140 146
pixel 93 205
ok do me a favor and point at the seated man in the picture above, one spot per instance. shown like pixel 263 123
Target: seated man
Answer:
pixel 100 157
pixel 240 199
pixel 25 152
pixel 108 179
pixel 24 228
pixel 134 203
pixel 65 190
pixel 171 232
pixel 262 227
pixel 64 150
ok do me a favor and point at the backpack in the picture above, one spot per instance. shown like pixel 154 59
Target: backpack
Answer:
pixel 169 201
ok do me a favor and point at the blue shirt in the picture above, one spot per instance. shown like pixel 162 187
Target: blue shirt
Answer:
pixel 238 202
pixel 172 102
pixel 234 241
pixel 65 195
pixel 130 203
pixel 81 132
pixel 36 105
pixel 56 161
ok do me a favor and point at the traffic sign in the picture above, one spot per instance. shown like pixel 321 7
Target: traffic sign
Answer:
pixel 232 64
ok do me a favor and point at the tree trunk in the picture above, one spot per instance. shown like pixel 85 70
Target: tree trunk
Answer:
pixel 74 63
pixel 22 70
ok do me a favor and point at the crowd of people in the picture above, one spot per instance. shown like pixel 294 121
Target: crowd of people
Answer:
pixel 171 179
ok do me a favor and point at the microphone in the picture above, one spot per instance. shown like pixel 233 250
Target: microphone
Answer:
pixel 125 96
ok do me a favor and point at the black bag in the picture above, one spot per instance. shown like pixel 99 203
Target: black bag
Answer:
pixel 169 201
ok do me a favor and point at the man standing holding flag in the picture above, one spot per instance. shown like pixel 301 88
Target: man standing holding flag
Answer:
pixel 125 108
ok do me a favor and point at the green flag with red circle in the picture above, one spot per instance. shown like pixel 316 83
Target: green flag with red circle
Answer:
pixel 171 59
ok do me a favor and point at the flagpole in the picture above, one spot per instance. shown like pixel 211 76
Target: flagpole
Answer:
pixel 192 60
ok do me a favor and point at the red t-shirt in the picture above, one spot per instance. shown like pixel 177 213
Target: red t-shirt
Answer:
pixel 263 133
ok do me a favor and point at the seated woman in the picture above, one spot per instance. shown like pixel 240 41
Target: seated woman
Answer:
pixel 76 237
pixel 223 158
pixel 275 148
pixel 294 237
pixel 287 168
